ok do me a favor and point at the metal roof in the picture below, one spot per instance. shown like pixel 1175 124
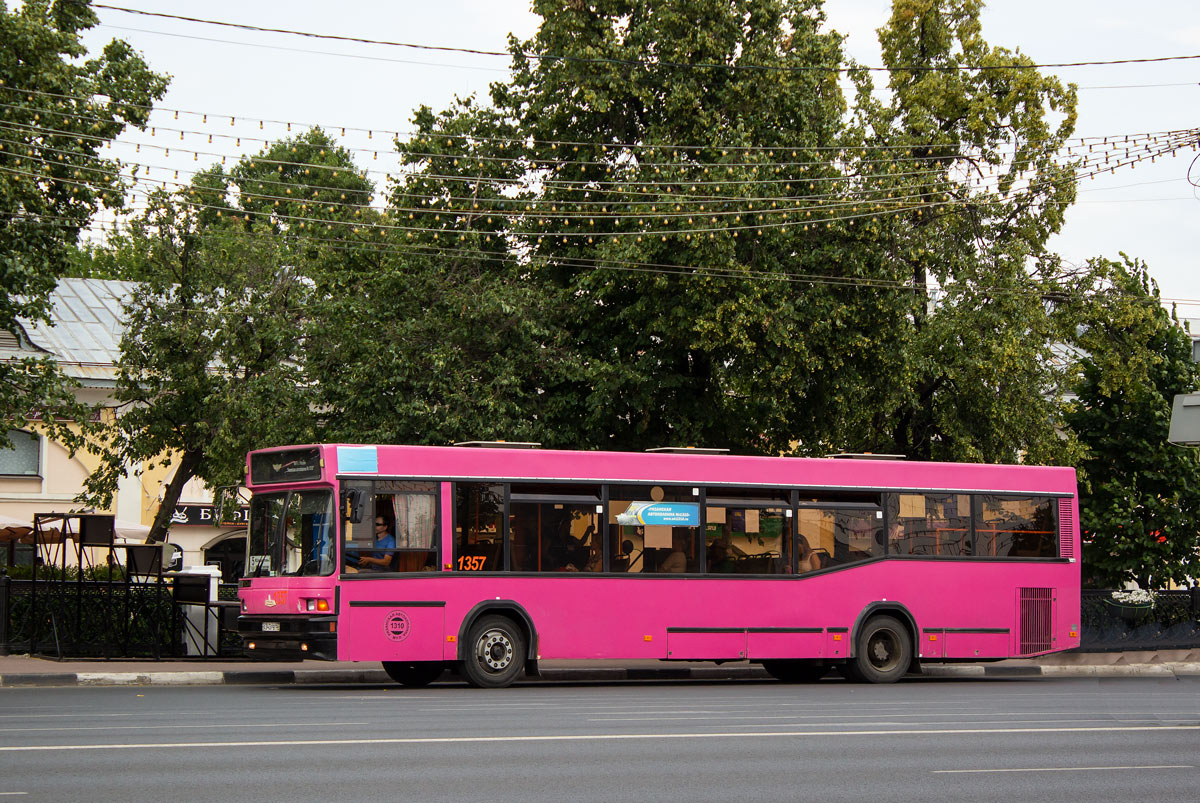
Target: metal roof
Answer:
pixel 87 319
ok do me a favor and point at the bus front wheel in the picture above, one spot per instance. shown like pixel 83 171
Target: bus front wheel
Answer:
pixel 496 652
pixel 414 673
pixel 884 651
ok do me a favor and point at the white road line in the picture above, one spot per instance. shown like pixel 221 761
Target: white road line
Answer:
pixel 190 726
pixel 597 737
pixel 1069 769
pixel 880 723
pixel 1121 719
pixel 130 714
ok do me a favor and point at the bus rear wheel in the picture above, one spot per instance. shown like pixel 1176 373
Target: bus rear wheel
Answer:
pixel 883 651
pixel 796 671
pixel 495 653
pixel 414 673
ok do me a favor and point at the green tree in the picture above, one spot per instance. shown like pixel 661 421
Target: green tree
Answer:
pixel 975 186
pixel 733 260
pixel 431 334
pixel 231 273
pixel 305 185
pixel 57 110
pixel 211 356
pixel 1139 494
pixel 666 154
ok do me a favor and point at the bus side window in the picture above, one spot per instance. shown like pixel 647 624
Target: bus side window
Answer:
pixel 478 527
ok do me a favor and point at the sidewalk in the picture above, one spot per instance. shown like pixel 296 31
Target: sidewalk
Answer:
pixel 23 670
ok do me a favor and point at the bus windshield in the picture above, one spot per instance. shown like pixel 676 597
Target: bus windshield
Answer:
pixel 291 534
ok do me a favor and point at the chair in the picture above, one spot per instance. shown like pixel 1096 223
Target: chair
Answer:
pixel 625 560
pixel 753 564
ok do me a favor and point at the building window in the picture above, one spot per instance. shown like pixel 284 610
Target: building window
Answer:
pixel 23 457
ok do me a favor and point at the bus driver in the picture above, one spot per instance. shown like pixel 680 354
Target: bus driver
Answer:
pixel 375 561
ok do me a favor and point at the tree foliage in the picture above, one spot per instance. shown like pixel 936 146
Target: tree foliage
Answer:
pixel 644 135
pixel 710 225
pixel 450 341
pixel 974 151
pixel 57 110
pixel 211 358
pixel 1140 495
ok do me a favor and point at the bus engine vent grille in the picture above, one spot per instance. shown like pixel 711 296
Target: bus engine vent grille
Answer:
pixel 1037 620
pixel 1066 529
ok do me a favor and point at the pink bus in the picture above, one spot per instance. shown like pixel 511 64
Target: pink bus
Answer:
pixel 488 558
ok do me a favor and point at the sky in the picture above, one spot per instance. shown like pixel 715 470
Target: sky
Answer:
pixel 242 87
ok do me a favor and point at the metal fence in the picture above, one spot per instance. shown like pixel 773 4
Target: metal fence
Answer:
pixel 99 619
pixel 1159 620
pixel 105 619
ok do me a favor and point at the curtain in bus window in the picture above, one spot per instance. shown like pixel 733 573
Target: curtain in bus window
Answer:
pixel 410 509
pixel 555 529
pixel 1017 526
pixel 657 529
pixel 415 520
pixel 478 527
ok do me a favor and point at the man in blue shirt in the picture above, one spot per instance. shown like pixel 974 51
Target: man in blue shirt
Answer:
pixel 375 561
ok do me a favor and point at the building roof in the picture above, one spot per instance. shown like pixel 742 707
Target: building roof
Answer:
pixel 87 319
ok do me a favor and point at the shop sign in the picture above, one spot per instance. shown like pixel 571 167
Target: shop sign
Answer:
pixel 206 516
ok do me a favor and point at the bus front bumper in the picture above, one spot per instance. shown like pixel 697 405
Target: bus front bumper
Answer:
pixel 289 637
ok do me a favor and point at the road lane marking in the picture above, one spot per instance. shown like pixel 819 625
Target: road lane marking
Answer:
pixel 1069 769
pixel 596 737
pixel 881 723
pixel 1063 719
pixel 227 725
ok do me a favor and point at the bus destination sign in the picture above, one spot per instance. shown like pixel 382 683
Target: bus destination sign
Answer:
pixel 293 465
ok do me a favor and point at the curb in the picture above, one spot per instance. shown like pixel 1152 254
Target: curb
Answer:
pixel 561 675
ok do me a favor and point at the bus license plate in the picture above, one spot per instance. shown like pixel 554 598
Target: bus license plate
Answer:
pixel 270 627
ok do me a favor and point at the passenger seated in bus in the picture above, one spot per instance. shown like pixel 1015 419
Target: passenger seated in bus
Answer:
pixel 807 561
pixel 677 561
pixel 375 561
pixel 719 561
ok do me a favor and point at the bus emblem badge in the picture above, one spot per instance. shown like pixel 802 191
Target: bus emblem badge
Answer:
pixel 397 625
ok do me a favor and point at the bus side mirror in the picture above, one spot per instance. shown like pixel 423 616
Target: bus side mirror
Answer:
pixel 352 506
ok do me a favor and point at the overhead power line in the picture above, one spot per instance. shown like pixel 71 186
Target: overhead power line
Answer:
pixel 260 123
pixel 539 223
pixel 839 68
pixel 932 292
pixel 623 202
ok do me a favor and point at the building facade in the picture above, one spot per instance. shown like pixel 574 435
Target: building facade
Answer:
pixel 39 475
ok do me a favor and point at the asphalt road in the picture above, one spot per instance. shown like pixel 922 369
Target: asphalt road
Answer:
pixel 1046 739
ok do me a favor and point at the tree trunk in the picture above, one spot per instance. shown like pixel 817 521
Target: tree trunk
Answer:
pixel 162 521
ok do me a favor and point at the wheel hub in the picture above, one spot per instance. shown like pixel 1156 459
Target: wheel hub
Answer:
pixel 496 650
pixel 881 651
